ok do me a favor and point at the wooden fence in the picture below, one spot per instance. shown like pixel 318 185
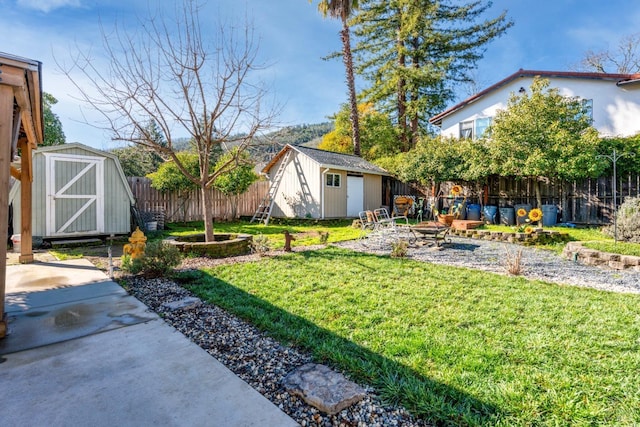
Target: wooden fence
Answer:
pixel 588 202
pixel 174 207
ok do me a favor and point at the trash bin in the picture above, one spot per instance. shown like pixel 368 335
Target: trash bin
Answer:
pixel 507 215
pixel 549 215
pixel 473 212
pixel 490 213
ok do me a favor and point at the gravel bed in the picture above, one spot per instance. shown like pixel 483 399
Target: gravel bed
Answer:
pixel 263 362
pixel 536 263
pixel 259 360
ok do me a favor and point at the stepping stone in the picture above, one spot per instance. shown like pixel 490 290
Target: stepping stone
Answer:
pixel 323 388
pixel 183 304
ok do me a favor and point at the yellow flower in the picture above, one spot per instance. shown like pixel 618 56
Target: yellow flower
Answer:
pixel 522 212
pixel 535 215
pixel 456 190
pixel 528 229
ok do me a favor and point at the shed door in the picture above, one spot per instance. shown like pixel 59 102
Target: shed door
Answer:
pixel 75 190
pixel 355 195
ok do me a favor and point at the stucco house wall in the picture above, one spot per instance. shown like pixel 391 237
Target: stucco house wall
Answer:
pixel 615 100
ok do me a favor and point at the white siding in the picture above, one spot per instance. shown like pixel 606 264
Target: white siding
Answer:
pixel 616 109
pixel 298 194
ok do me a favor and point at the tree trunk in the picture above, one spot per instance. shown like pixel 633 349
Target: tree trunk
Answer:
pixel 207 212
pixel 565 200
pixel 351 85
pixel 402 100
pixel 538 193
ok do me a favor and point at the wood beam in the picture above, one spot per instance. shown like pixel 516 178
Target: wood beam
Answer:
pixel 26 181
pixel 12 76
pixel 6 131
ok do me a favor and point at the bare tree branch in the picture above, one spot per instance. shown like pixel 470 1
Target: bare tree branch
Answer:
pixel 166 72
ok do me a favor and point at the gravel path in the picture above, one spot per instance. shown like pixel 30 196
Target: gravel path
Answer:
pixel 263 362
pixel 536 263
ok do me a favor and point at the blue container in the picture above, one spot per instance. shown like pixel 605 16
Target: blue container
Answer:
pixel 490 214
pixel 549 215
pixel 507 216
pixel 473 212
pixel 522 219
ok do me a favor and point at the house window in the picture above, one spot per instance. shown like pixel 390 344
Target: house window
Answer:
pixel 474 129
pixel 466 130
pixel 587 105
pixel 333 180
pixel 481 127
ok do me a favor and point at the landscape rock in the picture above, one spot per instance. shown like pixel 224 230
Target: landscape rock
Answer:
pixel 183 304
pixel 323 388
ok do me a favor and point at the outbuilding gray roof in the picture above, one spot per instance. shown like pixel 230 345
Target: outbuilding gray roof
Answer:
pixel 328 159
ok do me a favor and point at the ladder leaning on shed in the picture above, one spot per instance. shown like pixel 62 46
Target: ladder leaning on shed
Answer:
pixel 263 213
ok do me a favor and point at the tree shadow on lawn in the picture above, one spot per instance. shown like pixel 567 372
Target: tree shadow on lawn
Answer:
pixel 395 383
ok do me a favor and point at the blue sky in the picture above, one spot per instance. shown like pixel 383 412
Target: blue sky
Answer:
pixel 548 35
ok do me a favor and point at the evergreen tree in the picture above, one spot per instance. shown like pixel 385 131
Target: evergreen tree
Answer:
pixel 53 133
pixel 415 52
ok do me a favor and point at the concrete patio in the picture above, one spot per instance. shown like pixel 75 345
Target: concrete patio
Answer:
pixel 81 351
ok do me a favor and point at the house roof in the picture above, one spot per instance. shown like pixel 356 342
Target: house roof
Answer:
pixel 330 160
pixel 619 79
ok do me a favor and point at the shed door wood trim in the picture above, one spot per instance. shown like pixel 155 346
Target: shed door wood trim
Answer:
pixel 75 194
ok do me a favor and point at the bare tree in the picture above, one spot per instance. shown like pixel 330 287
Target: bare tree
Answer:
pixel 167 72
pixel 624 60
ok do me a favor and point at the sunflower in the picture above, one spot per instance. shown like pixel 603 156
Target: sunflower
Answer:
pixel 456 190
pixel 522 212
pixel 535 215
pixel 528 229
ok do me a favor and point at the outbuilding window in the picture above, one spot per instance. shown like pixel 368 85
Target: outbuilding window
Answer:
pixel 333 180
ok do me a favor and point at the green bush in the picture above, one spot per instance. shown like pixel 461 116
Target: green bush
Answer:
pixel 399 249
pixel 159 259
pixel 260 244
pixel 628 221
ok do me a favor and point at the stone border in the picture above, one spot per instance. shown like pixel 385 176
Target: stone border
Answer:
pixel 537 236
pixel 236 244
pixel 576 252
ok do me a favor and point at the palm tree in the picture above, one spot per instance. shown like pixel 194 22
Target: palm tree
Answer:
pixel 343 9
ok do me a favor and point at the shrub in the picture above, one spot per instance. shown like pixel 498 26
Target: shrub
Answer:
pixel 628 221
pixel 260 244
pixel 513 261
pixel 399 248
pixel 159 259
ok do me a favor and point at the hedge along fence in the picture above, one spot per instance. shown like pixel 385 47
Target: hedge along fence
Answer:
pixel 188 207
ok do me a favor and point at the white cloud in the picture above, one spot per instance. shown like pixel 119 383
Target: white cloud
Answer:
pixel 48 5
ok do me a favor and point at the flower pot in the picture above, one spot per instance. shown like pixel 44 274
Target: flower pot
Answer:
pixel 445 219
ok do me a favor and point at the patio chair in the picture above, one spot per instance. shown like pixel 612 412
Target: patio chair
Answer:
pixel 382 230
pixel 368 222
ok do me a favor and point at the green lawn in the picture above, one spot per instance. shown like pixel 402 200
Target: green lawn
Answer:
pixel 455 346
pixel 622 248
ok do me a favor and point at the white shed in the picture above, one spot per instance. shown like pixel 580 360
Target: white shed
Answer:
pixel 312 183
pixel 78 191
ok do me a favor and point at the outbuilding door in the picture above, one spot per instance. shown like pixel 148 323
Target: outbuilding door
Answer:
pixel 75 194
pixel 355 195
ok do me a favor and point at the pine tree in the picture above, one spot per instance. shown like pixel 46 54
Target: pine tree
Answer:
pixel 415 52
